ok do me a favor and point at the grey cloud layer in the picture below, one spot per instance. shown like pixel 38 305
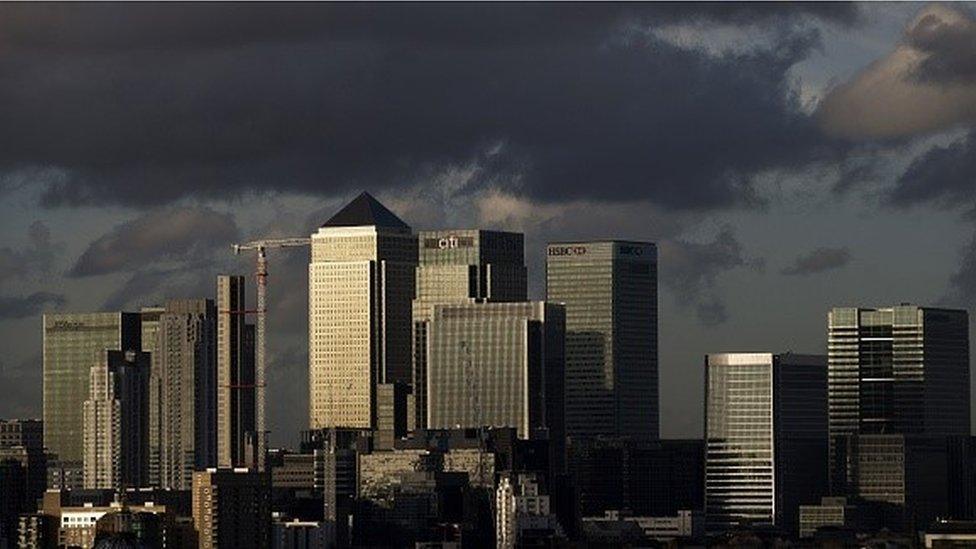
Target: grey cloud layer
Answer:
pixel 169 234
pixel 925 85
pixel 557 101
pixel 14 307
pixel 949 45
pixel 819 260
pixel 690 270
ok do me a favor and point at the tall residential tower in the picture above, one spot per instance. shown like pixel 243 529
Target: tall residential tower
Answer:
pixel 361 285
pixel 610 292
pixel 182 393
pixel 235 375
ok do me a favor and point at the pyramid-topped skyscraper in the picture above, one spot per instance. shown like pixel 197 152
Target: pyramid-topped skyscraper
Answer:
pixel 361 285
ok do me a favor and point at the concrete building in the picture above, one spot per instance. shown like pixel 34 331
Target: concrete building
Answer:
pixel 896 370
pixel 523 513
pixel 949 534
pixel 498 365
pixel 458 267
pixel 765 438
pixel 182 398
pixel 37 531
pixel 235 375
pixel 610 292
pixel 232 508
pixel 684 525
pixel 361 285
pixel 23 439
pixel 22 473
pixel 78 525
pixel 70 343
pixel 116 421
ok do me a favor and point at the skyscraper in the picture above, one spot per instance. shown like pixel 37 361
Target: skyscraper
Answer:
pixel 610 292
pixel 498 365
pixel 765 438
pixel 182 408
pixel 70 344
pixel 361 285
pixel 116 421
pixel 235 374
pixel 461 266
pixel 896 370
pixel 149 322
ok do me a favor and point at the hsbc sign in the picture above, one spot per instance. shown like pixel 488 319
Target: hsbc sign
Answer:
pixel 567 250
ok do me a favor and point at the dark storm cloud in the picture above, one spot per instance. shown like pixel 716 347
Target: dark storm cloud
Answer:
pixel 22 383
pixel 817 261
pixel 945 175
pixel 147 104
pixel 949 46
pixel 962 284
pixel 690 270
pixel 37 256
pixel 13 307
pixel 180 234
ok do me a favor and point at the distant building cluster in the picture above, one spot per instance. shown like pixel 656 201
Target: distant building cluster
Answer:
pixel 446 409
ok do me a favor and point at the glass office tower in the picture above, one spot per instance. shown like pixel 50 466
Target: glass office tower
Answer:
pixel 456 267
pixel 361 287
pixel 71 344
pixel 610 293
pixel 895 370
pixel 765 438
pixel 490 364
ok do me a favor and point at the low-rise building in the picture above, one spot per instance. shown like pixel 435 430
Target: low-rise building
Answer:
pixel 686 524
pixel 231 508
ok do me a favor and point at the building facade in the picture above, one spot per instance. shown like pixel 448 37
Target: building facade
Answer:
pixel 497 365
pixel 116 421
pixel 70 343
pixel 182 397
pixel 231 508
pixel 896 370
pixel 456 267
pixel 765 438
pixel 235 375
pixel 610 292
pixel 361 285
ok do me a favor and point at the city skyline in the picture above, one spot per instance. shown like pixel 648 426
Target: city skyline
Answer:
pixel 823 221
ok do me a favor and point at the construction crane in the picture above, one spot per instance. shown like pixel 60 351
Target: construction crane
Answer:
pixel 261 276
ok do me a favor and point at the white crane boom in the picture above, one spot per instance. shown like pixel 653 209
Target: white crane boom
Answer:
pixel 261 275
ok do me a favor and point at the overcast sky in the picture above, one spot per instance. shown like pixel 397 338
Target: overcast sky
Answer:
pixel 787 158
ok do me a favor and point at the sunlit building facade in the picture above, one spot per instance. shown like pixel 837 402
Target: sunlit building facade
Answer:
pixel 765 438
pixel 361 286
pixel 457 267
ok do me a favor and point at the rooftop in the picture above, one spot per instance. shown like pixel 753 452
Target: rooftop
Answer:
pixel 364 210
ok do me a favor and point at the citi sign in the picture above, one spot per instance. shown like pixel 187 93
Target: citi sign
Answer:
pixel 567 250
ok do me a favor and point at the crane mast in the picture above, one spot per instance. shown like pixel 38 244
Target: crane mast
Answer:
pixel 261 247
